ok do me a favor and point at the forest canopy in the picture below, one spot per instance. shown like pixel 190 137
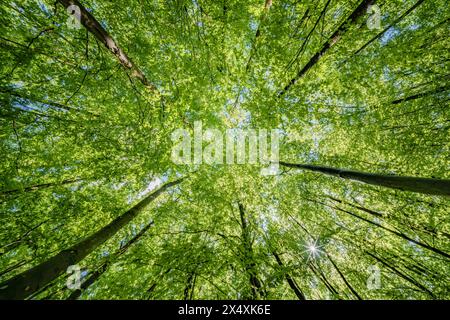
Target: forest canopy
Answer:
pixel 352 96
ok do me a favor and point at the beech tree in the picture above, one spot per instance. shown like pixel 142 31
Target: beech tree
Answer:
pixel 355 206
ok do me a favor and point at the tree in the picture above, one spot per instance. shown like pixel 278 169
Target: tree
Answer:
pixel 357 209
pixel 422 185
pixel 94 27
pixel 33 279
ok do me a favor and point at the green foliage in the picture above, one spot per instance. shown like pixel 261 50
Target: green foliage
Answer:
pixel 76 121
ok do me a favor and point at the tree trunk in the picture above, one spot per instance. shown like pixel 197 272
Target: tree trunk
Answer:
pixel 421 95
pixel 439 187
pixel 94 27
pixel 300 51
pixel 397 233
pixel 248 258
pixel 189 289
pixel 401 274
pixel 343 278
pixel 332 40
pixel 24 284
pixel 407 12
pixel 102 269
pixel 289 280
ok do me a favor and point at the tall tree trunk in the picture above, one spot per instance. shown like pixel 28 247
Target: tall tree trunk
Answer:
pixel 397 233
pixel 343 278
pixel 104 266
pixel 370 211
pixel 401 274
pixel 410 224
pixel 94 27
pixel 189 289
pixel 248 257
pixel 324 280
pixel 420 185
pixel 305 42
pixel 421 95
pixel 289 280
pixel 24 284
pixel 332 40
pixel 407 12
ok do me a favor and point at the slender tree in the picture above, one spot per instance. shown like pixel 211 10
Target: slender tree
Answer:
pixel 344 278
pixel 94 27
pixel 292 284
pixel 104 266
pixel 248 257
pixel 24 284
pixel 366 97
pixel 396 21
pixel 405 183
pixel 332 40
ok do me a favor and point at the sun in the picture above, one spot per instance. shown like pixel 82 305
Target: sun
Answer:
pixel 313 249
